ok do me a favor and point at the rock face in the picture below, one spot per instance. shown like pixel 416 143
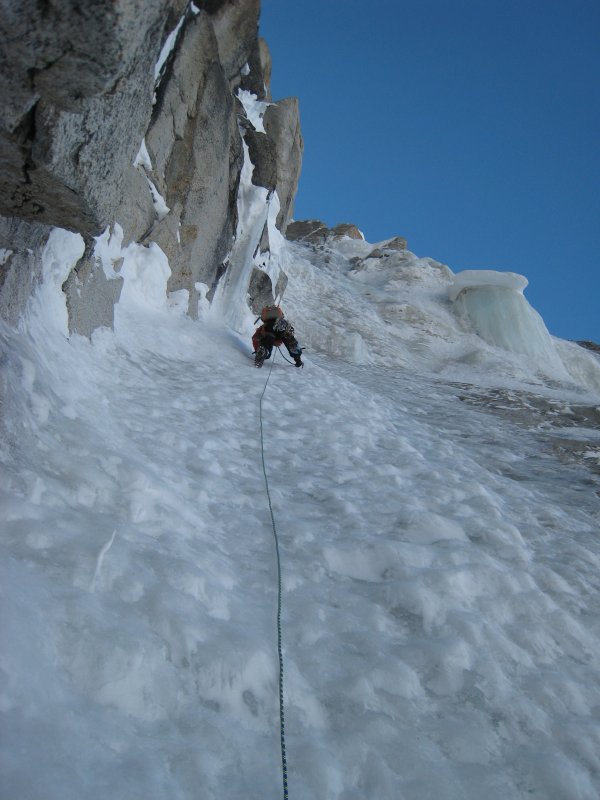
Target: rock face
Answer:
pixel 195 153
pixel 282 124
pixel 20 264
pixel 316 232
pixel 395 245
pixel 77 88
pixel 91 296
pixel 595 348
pixel 309 230
pixel 347 229
pixel 235 23
pixel 125 111
pixel 260 291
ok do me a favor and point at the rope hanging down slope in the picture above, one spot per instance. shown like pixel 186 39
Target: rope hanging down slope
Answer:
pixel 279 646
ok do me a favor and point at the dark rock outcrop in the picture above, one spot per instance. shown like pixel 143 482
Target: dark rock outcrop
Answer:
pixel 346 229
pixel 396 245
pixel 257 79
pixel 263 154
pixel 314 231
pixel 595 348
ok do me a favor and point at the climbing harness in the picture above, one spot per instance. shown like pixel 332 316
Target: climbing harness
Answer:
pixel 279 637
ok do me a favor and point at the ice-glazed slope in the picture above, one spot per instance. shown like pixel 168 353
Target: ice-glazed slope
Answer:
pixel 396 309
pixel 440 569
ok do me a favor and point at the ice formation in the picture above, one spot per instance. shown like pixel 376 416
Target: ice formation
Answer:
pixel 494 304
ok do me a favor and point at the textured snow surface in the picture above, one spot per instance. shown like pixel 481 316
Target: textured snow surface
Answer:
pixel 441 614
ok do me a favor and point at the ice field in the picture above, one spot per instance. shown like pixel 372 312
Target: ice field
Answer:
pixel 440 559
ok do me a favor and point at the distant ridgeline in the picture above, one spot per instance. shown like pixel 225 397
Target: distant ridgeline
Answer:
pixel 140 124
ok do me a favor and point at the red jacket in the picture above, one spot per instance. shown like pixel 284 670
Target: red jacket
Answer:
pixel 258 334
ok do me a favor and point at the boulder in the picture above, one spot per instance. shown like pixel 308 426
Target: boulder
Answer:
pixel 346 229
pixel 310 230
pixel 316 232
pixel 397 243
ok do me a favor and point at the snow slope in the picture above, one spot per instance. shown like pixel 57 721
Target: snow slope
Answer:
pixel 440 562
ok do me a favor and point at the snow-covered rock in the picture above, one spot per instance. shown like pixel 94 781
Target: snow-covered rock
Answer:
pixel 166 76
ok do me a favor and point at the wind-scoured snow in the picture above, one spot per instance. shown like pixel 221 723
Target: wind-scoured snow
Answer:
pixel 440 563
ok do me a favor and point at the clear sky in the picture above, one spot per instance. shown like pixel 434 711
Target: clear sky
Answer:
pixel 471 127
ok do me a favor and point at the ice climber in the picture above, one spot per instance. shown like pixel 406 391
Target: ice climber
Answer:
pixel 274 332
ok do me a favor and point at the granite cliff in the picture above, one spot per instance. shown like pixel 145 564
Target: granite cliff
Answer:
pixel 127 115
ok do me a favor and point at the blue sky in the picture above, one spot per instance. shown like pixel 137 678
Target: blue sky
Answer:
pixel 471 127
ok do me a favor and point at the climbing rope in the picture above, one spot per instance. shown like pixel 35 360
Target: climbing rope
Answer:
pixel 279 638
pixel 285 359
